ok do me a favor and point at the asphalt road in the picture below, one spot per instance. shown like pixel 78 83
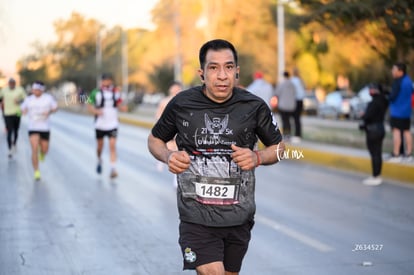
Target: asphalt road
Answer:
pixel 310 219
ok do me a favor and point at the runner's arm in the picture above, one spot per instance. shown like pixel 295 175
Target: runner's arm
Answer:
pixel 119 103
pixel 248 159
pixel 177 161
pixel 21 96
pixel 23 107
pixel 53 105
pixel 158 148
pixel 91 104
pixel 271 154
pixel 121 107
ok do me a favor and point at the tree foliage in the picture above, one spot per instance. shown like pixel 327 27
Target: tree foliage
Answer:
pixel 392 16
pixel 323 38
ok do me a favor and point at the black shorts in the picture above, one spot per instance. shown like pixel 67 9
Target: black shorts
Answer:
pixel 402 124
pixel 12 122
pixel 44 135
pixel 203 244
pixel 100 134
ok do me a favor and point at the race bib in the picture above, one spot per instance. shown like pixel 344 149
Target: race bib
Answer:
pixel 217 191
pixel 39 117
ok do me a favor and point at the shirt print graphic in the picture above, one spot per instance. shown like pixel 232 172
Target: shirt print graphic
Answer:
pixel 215 178
pixel 211 134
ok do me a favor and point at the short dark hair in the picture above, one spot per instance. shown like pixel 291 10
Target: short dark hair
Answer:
pixel 39 82
pixel 376 86
pixel 401 66
pixel 286 74
pixel 107 76
pixel 216 44
pixel 175 82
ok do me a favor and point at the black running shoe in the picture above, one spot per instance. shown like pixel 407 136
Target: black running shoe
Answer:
pixel 99 168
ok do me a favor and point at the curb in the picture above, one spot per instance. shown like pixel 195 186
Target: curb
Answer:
pixel 392 171
pixel 135 122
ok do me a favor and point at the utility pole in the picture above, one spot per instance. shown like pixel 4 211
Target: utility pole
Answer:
pixel 98 57
pixel 177 30
pixel 124 39
pixel 280 39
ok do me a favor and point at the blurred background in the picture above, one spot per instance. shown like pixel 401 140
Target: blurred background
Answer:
pixel 336 45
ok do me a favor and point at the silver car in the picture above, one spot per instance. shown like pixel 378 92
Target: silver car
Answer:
pixel 336 105
pixel 310 104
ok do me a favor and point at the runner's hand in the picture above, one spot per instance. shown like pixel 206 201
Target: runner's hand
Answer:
pixel 98 112
pixel 245 158
pixel 178 162
pixel 123 108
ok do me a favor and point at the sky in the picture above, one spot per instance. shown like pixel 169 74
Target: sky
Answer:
pixel 23 22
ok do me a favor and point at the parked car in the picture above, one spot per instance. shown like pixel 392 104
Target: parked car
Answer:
pixel 336 105
pixel 310 104
pixel 359 103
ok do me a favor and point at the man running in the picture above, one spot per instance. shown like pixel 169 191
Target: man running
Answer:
pixel 173 90
pixel 104 103
pixel 217 126
pixel 38 107
pixel 12 97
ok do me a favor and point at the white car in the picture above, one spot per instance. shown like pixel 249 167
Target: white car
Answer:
pixel 359 103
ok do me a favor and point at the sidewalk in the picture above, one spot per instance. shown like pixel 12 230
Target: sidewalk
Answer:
pixel 352 159
pixel 335 156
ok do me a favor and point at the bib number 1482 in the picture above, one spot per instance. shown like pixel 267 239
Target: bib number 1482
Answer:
pixel 215 191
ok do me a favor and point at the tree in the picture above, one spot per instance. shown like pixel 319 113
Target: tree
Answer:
pixel 75 49
pixel 392 16
pixel 248 25
pixel 162 77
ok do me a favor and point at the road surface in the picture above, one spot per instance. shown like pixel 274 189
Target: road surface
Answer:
pixel 310 220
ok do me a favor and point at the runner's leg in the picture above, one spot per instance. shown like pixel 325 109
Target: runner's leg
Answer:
pixel 34 143
pixel 9 127
pixel 16 130
pixel 44 145
pixel 100 143
pixel 112 150
pixel 214 268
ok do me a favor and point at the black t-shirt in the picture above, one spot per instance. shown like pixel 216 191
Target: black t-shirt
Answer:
pixel 214 191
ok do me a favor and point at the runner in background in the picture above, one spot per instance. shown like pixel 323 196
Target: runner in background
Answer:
pixel 173 90
pixel 38 107
pixel 104 103
pixel 12 96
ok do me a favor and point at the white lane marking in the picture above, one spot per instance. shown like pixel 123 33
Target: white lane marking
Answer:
pixel 294 234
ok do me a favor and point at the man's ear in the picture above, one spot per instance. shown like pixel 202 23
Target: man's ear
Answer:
pixel 201 73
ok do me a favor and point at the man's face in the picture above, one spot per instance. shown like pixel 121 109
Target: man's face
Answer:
pixel 106 82
pixel 37 92
pixel 219 74
pixel 12 85
pixel 396 73
pixel 174 89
